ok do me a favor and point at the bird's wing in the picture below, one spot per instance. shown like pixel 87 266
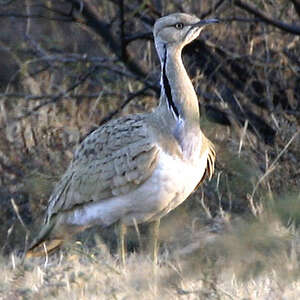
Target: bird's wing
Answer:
pixel 113 160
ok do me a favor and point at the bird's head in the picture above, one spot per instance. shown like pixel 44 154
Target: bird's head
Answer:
pixel 177 30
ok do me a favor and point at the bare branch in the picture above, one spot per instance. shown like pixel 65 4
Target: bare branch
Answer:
pixel 125 102
pixel 122 32
pixel 212 10
pixel 72 58
pixel 281 25
pixel 81 80
pixel 35 16
pixel 29 97
pixel 138 36
pixel 90 17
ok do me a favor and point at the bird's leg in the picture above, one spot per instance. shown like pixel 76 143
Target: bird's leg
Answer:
pixel 154 233
pixel 121 242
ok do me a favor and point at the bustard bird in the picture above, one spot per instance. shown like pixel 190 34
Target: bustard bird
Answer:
pixel 139 167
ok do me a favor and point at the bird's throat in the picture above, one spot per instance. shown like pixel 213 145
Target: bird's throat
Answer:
pixel 177 90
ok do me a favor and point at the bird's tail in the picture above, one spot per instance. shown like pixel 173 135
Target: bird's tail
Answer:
pixel 46 242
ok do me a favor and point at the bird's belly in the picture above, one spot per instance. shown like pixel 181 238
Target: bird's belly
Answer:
pixel 172 181
pixel 170 184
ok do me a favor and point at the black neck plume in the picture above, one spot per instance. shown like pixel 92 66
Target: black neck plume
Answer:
pixel 167 87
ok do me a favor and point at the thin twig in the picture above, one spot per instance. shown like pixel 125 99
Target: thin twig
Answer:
pixel 137 232
pixel 28 97
pixel 271 168
pixel 125 102
pixel 35 16
pixel 80 81
pixel 212 10
pixel 243 136
pixel 281 25
pixel 16 210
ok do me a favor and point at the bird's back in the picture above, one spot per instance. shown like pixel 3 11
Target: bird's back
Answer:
pixel 112 160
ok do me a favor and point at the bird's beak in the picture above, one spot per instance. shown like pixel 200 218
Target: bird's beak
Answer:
pixel 206 22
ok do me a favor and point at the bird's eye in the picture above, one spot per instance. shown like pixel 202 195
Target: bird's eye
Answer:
pixel 179 26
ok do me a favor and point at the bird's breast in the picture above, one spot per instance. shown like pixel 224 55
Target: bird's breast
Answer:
pixel 175 179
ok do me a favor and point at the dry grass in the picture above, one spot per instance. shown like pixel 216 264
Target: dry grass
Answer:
pixel 254 259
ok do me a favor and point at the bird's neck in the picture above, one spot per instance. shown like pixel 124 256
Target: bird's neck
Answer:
pixel 178 98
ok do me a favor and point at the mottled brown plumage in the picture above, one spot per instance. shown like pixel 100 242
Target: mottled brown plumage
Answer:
pixel 139 167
